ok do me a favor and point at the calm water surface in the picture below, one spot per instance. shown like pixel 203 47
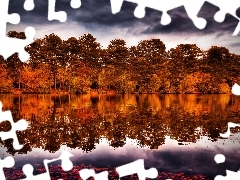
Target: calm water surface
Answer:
pixel 173 133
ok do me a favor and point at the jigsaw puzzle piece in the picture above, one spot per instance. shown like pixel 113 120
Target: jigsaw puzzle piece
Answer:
pixel 237 30
pixel 139 12
pixel 28 171
pixel 180 20
pixel 6 45
pixel 236 89
pixel 8 162
pixel 52 14
pixel 66 164
pixel 230 125
pixel 18 126
pixel 238 12
pixel 208 11
pixel 87 173
pixel 137 167
pixel 75 4
pixel 29 5
pixel 229 175
pixel 60 15
pixel 219 158
pixel 192 8
pixel 227 7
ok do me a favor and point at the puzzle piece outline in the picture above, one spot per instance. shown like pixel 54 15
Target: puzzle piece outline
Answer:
pixel 66 163
pixel 11 45
pixel 138 12
pixel 7 48
pixel 20 125
pixel 192 9
pixel 8 162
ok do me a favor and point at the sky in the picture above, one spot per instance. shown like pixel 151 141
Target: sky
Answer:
pixel 95 17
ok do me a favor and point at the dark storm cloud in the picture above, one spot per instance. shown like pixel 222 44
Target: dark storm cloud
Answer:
pixel 39 15
pixel 227 26
pixel 182 24
pixel 91 11
pixel 200 161
pixel 98 13
pixel 95 17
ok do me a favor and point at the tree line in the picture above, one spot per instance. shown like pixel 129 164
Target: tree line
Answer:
pixel 81 65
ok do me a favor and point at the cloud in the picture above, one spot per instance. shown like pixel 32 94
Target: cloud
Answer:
pixel 236 44
pixel 95 17
pixel 180 24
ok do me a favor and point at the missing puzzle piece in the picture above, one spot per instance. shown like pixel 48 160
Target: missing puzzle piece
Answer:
pixel 9 46
pixel 137 167
pixel 60 15
pixel 236 89
pixel 66 164
pixel 230 125
pixel 18 126
pixel 229 7
pixel 8 162
pixel 192 8
pixel 230 175
pixel 87 173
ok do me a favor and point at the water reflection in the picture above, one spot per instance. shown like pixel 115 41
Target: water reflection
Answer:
pixel 81 121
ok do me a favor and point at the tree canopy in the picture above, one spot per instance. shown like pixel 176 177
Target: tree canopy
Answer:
pixel 81 65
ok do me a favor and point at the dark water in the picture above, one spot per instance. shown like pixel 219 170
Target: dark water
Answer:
pixel 173 133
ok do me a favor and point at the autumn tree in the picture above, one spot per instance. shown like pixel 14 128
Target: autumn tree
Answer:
pixel 146 59
pixel 154 50
pixel 218 60
pixel 6 81
pixel 14 64
pixel 52 52
pixel 90 50
pixel 183 60
pixel 90 55
pixel 117 51
pixel 78 79
pixel 72 50
pixel 36 80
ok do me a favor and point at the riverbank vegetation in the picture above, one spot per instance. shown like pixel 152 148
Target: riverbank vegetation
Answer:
pixel 81 65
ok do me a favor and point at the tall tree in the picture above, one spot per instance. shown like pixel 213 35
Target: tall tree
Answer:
pixel 90 50
pixel 183 60
pixel 90 55
pixel 52 53
pixel 218 60
pixel 14 64
pixel 117 51
pixel 153 50
pixel 6 80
